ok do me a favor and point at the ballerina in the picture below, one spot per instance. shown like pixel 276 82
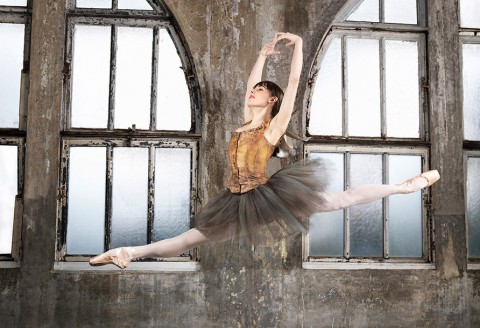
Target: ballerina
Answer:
pixel 257 208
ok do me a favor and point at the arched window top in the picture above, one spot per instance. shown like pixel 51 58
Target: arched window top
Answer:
pixel 140 5
pixel 469 13
pixel 405 12
pixel 129 70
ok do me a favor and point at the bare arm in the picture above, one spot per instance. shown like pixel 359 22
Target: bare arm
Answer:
pixel 279 123
pixel 256 75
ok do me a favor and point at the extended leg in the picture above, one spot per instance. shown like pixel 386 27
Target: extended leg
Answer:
pixel 122 256
pixel 368 193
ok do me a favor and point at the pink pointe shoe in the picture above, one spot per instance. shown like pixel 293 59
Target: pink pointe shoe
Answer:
pixel 121 257
pixel 424 180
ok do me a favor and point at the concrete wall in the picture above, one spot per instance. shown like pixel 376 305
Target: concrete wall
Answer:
pixel 237 287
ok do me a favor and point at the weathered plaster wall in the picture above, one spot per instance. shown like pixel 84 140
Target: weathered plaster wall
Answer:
pixel 237 287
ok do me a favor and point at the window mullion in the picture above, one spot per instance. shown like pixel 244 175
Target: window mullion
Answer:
pixel 113 71
pixel 108 197
pixel 383 101
pixel 151 193
pixel 346 211
pixel 153 102
pixel 381 10
pixel 386 209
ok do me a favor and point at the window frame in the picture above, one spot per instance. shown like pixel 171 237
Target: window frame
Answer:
pixel 382 144
pixel 427 236
pixel 471 148
pixel 18 136
pixel 111 137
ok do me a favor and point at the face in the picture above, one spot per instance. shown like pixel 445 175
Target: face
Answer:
pixel 261 97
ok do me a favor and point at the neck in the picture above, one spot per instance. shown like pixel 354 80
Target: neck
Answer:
pixel 261 114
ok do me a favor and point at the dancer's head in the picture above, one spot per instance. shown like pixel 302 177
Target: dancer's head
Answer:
pixel 276 94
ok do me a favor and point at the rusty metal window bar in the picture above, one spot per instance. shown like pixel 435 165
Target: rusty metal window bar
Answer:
pixel 469 52
pixel 15 27
pixel 367 101
pixel 131 129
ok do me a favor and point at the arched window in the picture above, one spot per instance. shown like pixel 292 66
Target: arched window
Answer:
pixel 367 116
pixel 470 56
pixel 15 25
pixel 130 130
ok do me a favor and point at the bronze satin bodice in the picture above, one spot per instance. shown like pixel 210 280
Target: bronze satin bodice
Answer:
pixel 249 152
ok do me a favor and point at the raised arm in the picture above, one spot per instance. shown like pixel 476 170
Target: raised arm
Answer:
pixel 256 74
pixel 279 123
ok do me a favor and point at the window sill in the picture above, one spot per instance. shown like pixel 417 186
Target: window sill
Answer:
pixel 473 266
pixel 9 264
pixel 367 266
pixel 134 266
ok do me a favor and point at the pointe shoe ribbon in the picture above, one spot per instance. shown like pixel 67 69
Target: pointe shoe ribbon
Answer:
pixel 120 257
pixel 412 184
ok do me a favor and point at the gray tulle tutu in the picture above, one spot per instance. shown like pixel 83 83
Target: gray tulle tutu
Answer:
pixel 271 211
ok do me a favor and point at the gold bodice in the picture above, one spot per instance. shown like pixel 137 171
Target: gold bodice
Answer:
pixel 249 152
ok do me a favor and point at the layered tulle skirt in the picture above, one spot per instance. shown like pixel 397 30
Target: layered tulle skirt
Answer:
pixel 271 211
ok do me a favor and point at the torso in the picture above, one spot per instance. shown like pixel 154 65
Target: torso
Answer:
pixel 249 152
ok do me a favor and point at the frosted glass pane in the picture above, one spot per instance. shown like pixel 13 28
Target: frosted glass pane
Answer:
pixel 8 191
pixel 405 211
pixel 94 3
pixel 402 90
pixel 129 196
pixel 368 11
pixel 366 220
pixel 403 12
pixel 173 98
pixel 134 4
pixel 471 91
pixel 326 229
pixel 473 206
pixel 326 108
pixel 86 200
pixel 469 13
pixel 91 76
pixel 13 3
pixel 11 63
pixel 363 88
pixel 133 77
pixel 172 192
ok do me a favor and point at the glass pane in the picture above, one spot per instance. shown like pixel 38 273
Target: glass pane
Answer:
pixel 133 77
pixel 11 63
pixel 405 211
pixel 326 108
pixel 471 91
pixel 86 200
pixel 366 220
pixel 91 76
pixel 173 98
pixel 94 3
pixel 134 4
pixel 403 12
pixel 473 206
pixel 18 3
pixel 8 191
pixel 367 11
pixel 363 87
pixel 469 13
pixel 402 89
pixel 172 192
pixel 129 196
pixel 326 229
